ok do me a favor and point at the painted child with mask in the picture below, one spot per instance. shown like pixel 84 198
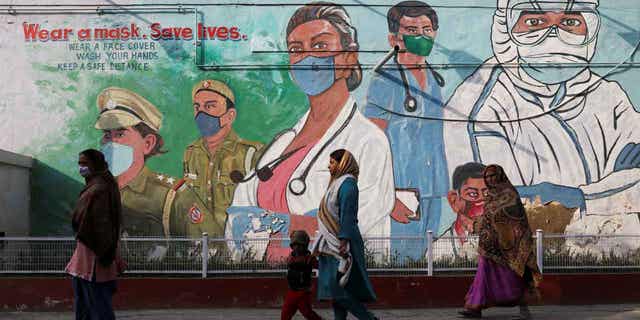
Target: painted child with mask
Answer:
pixel 466 202
pixel 210 160
pixel 398 95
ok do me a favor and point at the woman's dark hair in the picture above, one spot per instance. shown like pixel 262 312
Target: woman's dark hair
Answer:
pixel 96 158
pixel 339 19
pixel 337 155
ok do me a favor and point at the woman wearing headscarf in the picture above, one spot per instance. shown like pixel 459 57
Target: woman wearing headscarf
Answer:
pixel 506 259
pixel 96 223
pixel 342 275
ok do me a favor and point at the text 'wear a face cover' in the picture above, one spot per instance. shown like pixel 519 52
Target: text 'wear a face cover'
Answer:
pixel 555 40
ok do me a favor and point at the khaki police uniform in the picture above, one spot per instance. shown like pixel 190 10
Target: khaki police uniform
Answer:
pixel 209 174
pixel 153 204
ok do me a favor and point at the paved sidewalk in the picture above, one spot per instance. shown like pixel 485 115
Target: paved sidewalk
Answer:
pixel 593 312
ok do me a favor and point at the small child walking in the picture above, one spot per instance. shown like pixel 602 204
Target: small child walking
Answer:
pixel 300 265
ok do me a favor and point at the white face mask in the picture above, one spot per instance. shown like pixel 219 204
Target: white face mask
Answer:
pixel 84 171
pixel 553 61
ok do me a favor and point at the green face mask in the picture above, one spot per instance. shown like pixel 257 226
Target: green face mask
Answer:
pixel 418 45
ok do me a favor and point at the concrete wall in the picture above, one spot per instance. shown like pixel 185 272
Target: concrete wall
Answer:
pixel 15 195
pixel 55 294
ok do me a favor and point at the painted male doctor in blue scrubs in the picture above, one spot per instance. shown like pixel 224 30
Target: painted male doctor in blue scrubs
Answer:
pixel 402 98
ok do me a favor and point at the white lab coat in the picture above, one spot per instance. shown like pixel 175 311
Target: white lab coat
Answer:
pixel 369 146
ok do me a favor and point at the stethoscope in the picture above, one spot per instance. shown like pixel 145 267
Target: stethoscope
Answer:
pixel 410 102
pixel 297 185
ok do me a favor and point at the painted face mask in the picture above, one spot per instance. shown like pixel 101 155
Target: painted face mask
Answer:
pixel 207 124
pixel 118 156
pixel 84 171
pixel 553 61
pixel 419 45
pixel 473 210
pixel 314 75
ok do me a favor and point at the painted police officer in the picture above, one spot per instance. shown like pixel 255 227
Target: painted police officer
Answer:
pixel 209 161
pixel 154 204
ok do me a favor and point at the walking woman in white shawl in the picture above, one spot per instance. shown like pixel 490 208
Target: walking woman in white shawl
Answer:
pixel 343 275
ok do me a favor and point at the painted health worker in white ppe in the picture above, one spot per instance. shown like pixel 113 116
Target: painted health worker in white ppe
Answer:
pixel 559 130
pixel 292 175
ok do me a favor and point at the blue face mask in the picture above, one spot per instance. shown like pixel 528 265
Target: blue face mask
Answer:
pixel 207 124
pixel 118 156
pixel 84 171
pixel 314 75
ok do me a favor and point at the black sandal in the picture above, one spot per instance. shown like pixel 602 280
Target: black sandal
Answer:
pixel 466 313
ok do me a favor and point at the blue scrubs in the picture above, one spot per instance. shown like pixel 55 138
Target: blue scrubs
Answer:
pixel 418 150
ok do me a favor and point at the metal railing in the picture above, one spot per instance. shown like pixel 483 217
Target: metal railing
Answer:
pixel 427 256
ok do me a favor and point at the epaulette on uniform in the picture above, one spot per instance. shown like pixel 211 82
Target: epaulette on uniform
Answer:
pixel 180 185
pixel 164 180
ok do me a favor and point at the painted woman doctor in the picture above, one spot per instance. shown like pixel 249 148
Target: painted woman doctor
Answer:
pixel 289 181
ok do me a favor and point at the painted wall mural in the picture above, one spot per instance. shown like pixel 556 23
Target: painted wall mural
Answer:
pixel 221 118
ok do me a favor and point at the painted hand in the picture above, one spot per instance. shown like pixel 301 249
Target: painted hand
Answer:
pixel 401 213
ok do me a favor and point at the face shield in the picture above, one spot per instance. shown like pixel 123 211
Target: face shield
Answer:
pixel 554 40
pixel 530 23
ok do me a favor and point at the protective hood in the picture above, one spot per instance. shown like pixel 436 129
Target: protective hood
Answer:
pixel 539 45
